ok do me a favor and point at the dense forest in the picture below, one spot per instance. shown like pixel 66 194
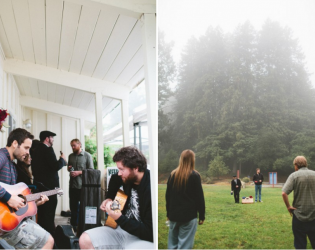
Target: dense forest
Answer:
pixel 243 99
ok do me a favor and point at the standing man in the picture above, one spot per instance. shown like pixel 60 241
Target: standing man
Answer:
pixel 27 234
pixel 302 181
pixel 77 161
pixel 236 188
pixel 258 180
pixel 45 167
pixel 134 229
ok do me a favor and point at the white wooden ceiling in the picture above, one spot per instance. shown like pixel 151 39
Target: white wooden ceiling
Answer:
pixel 79 36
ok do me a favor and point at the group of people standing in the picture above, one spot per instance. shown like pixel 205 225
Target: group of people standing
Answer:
pixel 134 222
pixel 236 186
pixel 185 200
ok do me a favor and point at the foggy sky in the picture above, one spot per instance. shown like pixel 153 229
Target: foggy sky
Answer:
pixel 181 19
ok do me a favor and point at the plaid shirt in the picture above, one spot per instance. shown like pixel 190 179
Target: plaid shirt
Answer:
pixel 8 173
pixel 303 184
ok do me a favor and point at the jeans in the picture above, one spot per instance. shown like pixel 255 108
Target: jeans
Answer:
pixel 182 234
pixel 258 189
pixel 301 230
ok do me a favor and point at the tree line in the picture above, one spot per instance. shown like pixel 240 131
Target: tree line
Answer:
pixel 243 99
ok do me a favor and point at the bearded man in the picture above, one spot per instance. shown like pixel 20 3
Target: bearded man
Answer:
pixel 134 229
pixel 79 160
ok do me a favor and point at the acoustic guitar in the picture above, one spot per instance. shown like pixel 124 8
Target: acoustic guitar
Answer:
pixel 118 204
pixel 11 218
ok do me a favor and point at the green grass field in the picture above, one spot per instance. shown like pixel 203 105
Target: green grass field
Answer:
pixel 228 225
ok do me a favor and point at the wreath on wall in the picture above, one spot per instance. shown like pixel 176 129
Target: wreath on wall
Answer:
pixel 3 115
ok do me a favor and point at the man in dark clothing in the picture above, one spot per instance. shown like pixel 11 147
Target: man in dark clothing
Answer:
pixel 236 188
pixel 258 180
pixel 45 167
pixel 135 221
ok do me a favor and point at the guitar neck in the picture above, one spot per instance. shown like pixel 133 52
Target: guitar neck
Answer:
pixel 33 197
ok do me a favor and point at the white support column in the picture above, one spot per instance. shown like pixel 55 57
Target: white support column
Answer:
pixel 125 121
pixel 149 45
pixel 99 131
pixel 82 133
pixel 64 172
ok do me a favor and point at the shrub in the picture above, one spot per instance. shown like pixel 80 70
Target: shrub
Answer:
pixel 246 179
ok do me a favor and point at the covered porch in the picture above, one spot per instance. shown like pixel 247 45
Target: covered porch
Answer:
pixel 67 64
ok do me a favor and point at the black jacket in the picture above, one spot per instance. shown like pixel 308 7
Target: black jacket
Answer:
pixel 144 228
pixel 233 185
pixel 258 177
pixel 183 205
pixel 45 166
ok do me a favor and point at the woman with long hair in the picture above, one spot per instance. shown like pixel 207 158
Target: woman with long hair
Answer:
pixel 184 199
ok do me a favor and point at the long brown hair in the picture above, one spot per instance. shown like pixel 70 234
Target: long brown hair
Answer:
pixel 184 169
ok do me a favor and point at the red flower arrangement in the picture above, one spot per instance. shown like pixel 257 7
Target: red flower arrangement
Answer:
pixel 3 116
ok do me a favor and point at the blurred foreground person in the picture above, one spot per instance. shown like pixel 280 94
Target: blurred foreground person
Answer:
pixel 302 182
pixel 28 234
pixel 184 198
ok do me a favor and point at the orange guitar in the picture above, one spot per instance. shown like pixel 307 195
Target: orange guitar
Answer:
pixel 11 218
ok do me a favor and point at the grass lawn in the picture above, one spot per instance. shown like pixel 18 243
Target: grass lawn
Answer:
pixel 264 225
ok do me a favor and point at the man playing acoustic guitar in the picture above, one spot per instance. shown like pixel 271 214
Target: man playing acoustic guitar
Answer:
pixel 134 229
pixel 27 234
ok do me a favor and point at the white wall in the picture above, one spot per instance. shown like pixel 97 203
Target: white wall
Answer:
pixel 9 99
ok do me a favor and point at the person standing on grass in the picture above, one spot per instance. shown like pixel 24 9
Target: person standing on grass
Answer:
pixel 302 182
pixel 258 180
pixel 184 199
pixel 236 188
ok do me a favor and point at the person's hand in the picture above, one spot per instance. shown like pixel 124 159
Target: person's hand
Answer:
pixel 103 205
pixel 63 156
pixel 236 186
pixel 42 200
pixel 75 173
pixel 16 202
pixel 259 180
pixel 69 167
pixel 255 181
pixel 200 222
pixel 291 209
pixel 114 214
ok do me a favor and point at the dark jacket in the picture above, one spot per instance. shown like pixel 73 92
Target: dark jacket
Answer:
pixel 183 205
pixel 45 166
pixel 233 185
pixel 142 229
pixel 257 178
pixel 23 174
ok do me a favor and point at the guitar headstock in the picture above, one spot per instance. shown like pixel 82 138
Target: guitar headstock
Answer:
pixel 59 191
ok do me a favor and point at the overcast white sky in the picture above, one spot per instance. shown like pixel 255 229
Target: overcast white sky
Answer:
pixel 181 19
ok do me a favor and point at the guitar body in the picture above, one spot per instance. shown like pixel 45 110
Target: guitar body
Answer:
pixel 121 197
pixel 9 218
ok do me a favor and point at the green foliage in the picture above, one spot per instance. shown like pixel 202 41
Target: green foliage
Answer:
pixel 170 161
pixel 264 225
pixel 246 179
pixel 217 167
pixel 244 95
pixel 90 147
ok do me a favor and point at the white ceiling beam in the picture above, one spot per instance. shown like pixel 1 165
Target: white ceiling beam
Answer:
pixel 56 108
pixel 64 78
pixel 132 8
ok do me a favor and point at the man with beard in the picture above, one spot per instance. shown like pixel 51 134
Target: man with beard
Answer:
pixel 27 234
pixel 135 221
pixel 45 167
pixel 77 161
